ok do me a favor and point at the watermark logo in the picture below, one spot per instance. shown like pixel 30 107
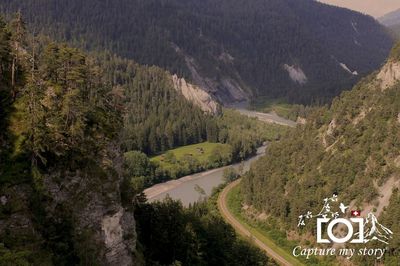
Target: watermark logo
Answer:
pixel 334 227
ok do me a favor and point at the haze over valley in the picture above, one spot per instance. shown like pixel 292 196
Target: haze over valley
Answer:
pixel 185 132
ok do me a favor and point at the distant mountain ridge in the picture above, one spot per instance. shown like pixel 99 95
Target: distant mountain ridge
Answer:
pixel 391 19
pixel 236 50
pixel 392 22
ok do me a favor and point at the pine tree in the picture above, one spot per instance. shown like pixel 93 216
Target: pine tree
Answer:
pixel 17 28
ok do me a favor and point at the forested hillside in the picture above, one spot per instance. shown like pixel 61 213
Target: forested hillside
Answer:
pixel 57 183
pixel 351 148
pixel 155 116
pixel 67 120
pixel 300 50
pixel 194 236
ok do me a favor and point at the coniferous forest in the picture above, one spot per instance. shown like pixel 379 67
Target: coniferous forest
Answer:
pixel 242 47
pixel 67 119
pixel 91 117
pixel 351 148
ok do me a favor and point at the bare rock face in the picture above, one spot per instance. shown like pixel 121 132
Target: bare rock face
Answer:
pixel 92 199
pixel 195 95
pixel 226 89
pixel 296 74
pixel 117 252
pixel 389 75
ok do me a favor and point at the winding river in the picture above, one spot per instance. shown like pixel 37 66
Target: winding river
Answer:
pixel 186 189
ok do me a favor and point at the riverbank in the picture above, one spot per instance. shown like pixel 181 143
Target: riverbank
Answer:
pixel 268 117
pixel 184 188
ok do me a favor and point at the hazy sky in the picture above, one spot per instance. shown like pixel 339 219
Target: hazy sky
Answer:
pixel 375 8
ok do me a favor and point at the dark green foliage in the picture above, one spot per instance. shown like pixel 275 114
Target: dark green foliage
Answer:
pixel 349 148
pixel 56 123
pixel 391 220
pixel 395 53
pixel 138 173
pixel 5 86
pixel 230 174
pixel 220 156
pixel 61 111
pixel 8 257
pixel 245 134
pixel 73 116
pixel 246 41
pixel 169 233
pixel 158 118
pixel 57 232
pixel 155 116
pixel 137 163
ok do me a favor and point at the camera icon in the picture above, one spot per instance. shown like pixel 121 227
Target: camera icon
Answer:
pixel 351 236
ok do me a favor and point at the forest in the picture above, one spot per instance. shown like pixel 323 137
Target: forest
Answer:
pixel 349 148
pixel 87 99
pixel 224 41
pixel 194 236
pixel 76 130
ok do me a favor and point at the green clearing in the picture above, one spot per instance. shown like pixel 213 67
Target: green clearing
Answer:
pixel 192 150
pixel 271 238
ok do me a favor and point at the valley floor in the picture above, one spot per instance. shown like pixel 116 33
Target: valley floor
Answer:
pixel 183 189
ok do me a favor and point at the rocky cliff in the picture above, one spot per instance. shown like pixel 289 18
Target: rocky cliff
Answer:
pixel 92 197
pixel 196 95
pixel 75 216
pixel 389 75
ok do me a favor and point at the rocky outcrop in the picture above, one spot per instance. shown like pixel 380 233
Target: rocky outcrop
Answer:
pixel 226 89
pixel 117 250
pixel 389 75
pixel 92 198
pixel 195 95
pixel 296 74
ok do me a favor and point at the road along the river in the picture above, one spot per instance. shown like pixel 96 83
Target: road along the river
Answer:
pixel 223 208
pixel 184 189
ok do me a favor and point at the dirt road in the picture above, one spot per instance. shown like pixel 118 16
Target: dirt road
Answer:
pixel 222 206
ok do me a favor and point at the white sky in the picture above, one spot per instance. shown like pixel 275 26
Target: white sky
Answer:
pixel 375 8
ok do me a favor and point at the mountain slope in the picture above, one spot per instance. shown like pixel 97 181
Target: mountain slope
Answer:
pixel 392 22
pixel 351 148
pixel 304 51
pixel 66 120
pixel 390 19
pixel 395 31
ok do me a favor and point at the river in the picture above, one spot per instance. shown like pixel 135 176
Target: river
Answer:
pixel 183 189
